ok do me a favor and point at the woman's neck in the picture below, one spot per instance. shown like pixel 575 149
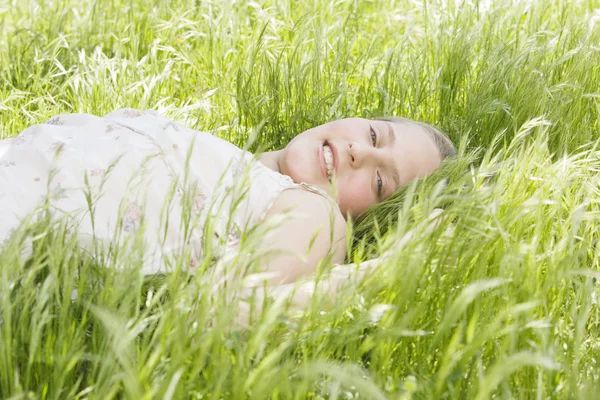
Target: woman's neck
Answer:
pixel 272 159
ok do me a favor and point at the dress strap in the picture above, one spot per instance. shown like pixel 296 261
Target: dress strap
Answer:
pixel 317 190
pixel 282 182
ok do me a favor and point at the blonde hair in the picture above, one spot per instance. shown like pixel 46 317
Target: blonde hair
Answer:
pixel 440 139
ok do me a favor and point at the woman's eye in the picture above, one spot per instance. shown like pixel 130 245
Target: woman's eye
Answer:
pixel 379 184
pixel 373 137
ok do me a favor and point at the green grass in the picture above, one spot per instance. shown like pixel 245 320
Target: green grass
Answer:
pixel 499 301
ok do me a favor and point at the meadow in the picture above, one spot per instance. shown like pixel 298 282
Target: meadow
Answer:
pixel 499 300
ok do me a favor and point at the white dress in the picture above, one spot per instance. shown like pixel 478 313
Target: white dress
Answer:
pixel 133 174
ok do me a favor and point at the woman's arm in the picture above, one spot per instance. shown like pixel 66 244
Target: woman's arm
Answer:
pixel 314 231
pixel 302 229
pixel 298 295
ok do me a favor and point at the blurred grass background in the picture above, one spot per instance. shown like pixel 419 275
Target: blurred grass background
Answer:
pixel 499 301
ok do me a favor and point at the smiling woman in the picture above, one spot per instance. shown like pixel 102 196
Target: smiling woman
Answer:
pixel 361 162
pixel 131 172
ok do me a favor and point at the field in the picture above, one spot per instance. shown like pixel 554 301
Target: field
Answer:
pixel 499 300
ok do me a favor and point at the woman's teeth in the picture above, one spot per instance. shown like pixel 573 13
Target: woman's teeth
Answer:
pixel 328 155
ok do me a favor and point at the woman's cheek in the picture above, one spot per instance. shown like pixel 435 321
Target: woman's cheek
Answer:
pixel 355 198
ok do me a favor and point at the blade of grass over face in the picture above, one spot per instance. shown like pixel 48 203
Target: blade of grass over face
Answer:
pixel 498 300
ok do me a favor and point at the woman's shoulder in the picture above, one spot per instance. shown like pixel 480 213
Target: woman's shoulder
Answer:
pixel 300 198
pixel 312 211
pixel 314 230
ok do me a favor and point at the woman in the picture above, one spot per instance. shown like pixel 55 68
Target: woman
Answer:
pixel 134 174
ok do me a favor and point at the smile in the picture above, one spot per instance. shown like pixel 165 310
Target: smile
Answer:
pixel 328 157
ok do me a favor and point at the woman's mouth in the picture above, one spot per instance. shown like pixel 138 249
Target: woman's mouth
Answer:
pixel 328 158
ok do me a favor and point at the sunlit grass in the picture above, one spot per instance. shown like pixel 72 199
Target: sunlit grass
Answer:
pixel 499 300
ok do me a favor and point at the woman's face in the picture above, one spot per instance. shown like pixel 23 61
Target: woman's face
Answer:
pixel 359 161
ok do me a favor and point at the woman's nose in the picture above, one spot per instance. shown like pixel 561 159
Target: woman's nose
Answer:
pixel 351 155
pixel 357 154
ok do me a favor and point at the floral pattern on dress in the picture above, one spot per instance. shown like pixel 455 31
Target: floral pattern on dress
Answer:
pixel 234 234
pixel 18 140
pixel 8 163
pixel 98 172
pixel 194 259
pixel 132 217
pixel 58 193
pixel 55 121
pixel 199 201
pixel 57 146
pixel 131 113
pixel 111 128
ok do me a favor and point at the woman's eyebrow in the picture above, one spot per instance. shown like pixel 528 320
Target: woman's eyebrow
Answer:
pixel 391 134
pixel 392 140
pixel 395 175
